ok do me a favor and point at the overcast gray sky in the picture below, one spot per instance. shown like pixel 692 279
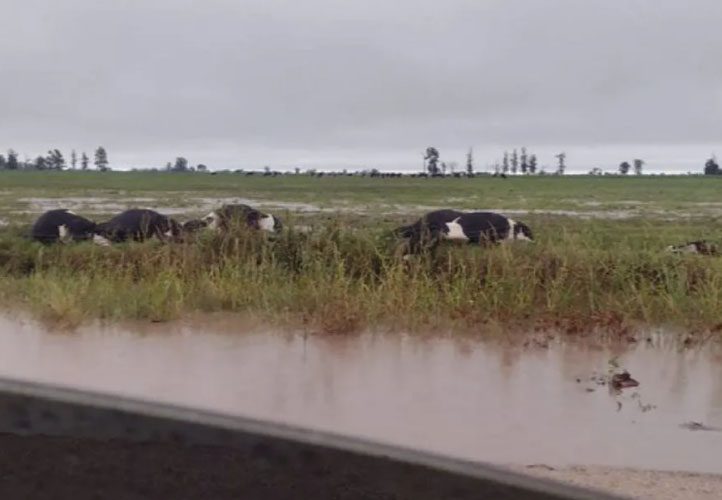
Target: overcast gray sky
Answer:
pixel 245 83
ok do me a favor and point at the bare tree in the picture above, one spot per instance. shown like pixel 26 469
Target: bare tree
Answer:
pixel 101 159
pixel 638 164
pixel 432 159
pixel 12 162
pixel 470 162
pixel 532 164
pixel 711 167
pixel 561 166
pixel 524 162
pixel 55 159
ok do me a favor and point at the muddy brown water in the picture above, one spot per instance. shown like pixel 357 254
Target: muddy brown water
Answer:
pixel 464 398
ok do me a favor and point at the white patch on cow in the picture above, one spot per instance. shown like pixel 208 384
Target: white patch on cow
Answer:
pixel 69 212
pixel 513 235
pixel 63 232
pixel 267 223
pixel 510 234
pixel 523 237
pixel 169 233
pixel 691 248
pixel 99 240
pixel 213 220
pixel 456 232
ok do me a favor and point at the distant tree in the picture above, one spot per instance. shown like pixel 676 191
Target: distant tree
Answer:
pixel 40 163
pixel 201 168
pixel 514 162
pixel 73 159
pixel 55 160
pixel 180 165
pixel 523 161
pixel 267 170
pixel 443 168
pixel 3 163
pixel 505 164
pixel 297 170
pixel 470 162
pixel 168 167
pixel 453 166
pixel 432 160
pixel 532 164
pixel 638 164
pixel 101 159
pixel 595 171
pixel 561 167
pixel 624 167
pixel 12 161
pixel 84 160
pixel 711 167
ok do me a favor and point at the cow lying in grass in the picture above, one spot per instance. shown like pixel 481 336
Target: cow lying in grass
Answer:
pixel 471 227
pixel 222 219
pixel 139 224
pixel 62 226
pixel 700 247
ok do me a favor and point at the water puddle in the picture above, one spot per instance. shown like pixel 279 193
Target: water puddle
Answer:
pixel 501 404
pixel 191 204
pixel 201 205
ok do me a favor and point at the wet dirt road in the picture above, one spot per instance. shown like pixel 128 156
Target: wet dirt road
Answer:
pixel 506 405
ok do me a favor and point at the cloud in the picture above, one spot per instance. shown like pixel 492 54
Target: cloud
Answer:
pixel 167 77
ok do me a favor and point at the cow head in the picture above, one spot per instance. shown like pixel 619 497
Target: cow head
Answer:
pixel 520 231
pixel 700 247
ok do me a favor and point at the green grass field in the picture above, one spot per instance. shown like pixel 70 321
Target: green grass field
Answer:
pixel 646 196
pixel 606 269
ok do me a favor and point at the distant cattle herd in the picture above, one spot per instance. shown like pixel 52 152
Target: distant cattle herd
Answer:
pixel 139 224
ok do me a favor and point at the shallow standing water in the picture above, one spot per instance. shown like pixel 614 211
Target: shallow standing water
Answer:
pixel 464 398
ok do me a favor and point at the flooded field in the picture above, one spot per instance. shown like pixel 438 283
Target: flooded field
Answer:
pixel 484 401
pixel 187 204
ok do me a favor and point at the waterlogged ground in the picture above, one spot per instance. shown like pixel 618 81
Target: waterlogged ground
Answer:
pixel 91 206
pixel 24 194
pixel 541 405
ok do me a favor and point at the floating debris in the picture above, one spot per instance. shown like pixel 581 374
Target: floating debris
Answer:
pixel 699 426
pixel 623 381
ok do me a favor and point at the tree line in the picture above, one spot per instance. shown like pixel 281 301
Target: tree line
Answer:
pixel 519 161
pixel 54 160
pixel 516 162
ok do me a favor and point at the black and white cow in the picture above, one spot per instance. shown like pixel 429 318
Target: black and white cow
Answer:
pixel 470 227
pixel 62 225
pixel 223 218
pixel 139 224
pixel 701 247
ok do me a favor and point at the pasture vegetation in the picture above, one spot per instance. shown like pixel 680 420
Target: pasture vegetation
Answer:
pixel 647 195
pixel 348 274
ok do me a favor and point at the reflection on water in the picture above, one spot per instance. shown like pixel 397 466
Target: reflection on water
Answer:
pixel 458 397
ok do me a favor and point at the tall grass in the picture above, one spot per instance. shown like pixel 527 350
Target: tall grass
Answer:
pixel 339 280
